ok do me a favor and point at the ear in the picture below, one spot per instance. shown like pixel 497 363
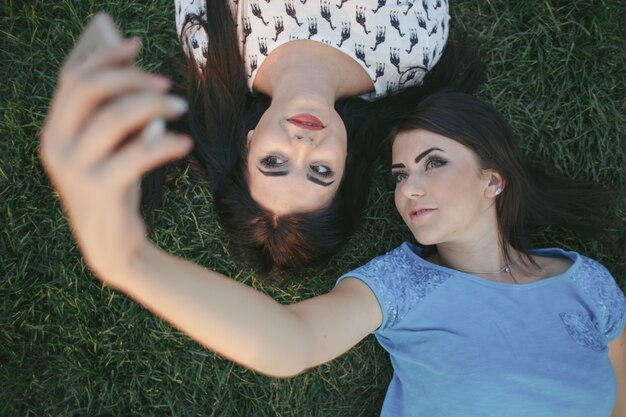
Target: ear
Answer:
pixel 249 137
pixel 496 184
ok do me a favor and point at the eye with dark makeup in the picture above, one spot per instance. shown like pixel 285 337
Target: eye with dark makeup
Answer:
pixel 398 176
pixel 431 162
pixel 273 161
pixel 434 162
pixel 323 171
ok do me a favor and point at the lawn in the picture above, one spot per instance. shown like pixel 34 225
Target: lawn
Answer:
pixel 71 347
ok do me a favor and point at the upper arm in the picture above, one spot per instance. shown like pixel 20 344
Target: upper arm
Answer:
pixel 617 355
pixel 334 322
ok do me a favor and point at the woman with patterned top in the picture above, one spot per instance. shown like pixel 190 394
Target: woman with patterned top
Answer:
pixel 478 325
pixel 286 153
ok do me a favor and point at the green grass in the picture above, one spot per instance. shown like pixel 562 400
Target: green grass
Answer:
pixel 69 346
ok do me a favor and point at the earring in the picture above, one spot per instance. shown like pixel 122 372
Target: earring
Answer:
pixel 498 191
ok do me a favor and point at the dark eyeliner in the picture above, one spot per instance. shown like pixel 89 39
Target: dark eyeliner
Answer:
pixel 270 161
pixel 328 174
pixel 428 162
pixel 395 176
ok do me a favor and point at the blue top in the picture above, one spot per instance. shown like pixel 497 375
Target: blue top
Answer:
pixel 462 345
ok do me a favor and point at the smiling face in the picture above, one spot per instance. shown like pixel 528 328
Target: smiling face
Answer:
pixel 442 193
pixel 296 159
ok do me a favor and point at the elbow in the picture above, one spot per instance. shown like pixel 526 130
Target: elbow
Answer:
pixel 282 368
pixel 283 374
pixel 291 359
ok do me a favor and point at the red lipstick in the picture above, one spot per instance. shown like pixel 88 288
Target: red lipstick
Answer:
pixel 306 121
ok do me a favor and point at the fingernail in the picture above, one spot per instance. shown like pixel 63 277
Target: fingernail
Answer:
pixel 154 129
pixel 160 82
pixel 177 104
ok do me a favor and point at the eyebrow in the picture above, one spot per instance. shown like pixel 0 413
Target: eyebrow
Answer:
pixel 419 157
pixel 283 173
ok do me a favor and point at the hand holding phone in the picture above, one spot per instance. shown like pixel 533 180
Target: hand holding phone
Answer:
pixel 101 32
pixel 90 149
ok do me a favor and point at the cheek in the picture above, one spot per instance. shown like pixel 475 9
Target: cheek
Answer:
pixel 398 199
pixel 264 142
pixel 251 173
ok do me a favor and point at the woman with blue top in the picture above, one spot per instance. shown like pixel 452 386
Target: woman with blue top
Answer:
pixel 476 325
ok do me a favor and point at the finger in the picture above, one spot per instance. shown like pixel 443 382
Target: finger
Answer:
pixel 100 31
pixel 135 194
pixel 123 117
pixel 122 54
pixel 80 68
pixel 155 129
pixel 71 111
pixel 127 166
pixel 109 57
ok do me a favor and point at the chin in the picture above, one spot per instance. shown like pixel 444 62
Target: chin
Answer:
pixel 425 239
pixel 426 242
pixel 425 234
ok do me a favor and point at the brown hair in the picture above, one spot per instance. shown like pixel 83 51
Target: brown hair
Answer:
pixel 531 197
pixel 222 111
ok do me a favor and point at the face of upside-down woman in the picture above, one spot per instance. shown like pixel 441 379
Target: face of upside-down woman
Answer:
pixel 296 157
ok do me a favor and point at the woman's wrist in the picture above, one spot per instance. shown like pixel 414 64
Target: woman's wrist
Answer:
pixel 119 274
pixel 126 276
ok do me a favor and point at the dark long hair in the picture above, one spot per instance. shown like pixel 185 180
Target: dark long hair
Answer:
pixel 531 196
pixel 222 111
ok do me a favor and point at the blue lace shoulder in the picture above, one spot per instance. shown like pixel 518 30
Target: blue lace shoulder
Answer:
pixel 399 280
pixel 600 286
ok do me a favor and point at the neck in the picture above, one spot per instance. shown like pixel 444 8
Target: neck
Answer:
pixel 480 253
pixel 473 260
pixel 314 70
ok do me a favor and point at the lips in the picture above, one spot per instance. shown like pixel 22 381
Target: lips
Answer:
pixel 419 213
pixel 306 121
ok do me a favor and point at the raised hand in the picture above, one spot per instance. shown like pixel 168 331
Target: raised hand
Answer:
pixel 90 148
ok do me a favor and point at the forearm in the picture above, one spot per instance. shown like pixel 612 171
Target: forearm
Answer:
pixel 232 319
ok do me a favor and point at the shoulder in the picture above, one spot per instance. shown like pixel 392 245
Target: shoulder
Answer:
pixel 398 260
pixel 587 270
pixel 399 279
pixel 601 289
pixel 553 266
pixel 400 266
pixel 590 275
pixel 579 268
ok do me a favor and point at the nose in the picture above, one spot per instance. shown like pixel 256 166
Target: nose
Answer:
pixel 412 188
pixel 301 136
pixel 307 138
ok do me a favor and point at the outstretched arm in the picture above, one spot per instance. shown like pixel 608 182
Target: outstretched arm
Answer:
pixel 94 157
pixel 245 325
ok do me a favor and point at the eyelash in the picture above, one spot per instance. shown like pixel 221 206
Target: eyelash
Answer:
pixel 432 162
pixel 271 161
pixel 327 174
pixel 395 176
pixel 434 159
